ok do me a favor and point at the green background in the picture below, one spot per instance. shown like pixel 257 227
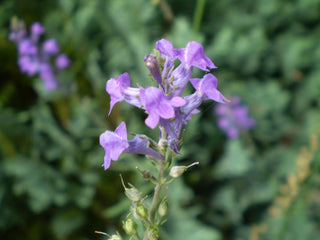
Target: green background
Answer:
pixel 52 185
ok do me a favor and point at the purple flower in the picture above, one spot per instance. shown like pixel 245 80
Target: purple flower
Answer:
pixel 234 118
pixel 165 104
pixel 62 61
pixel 119 90
pixel 50 46
pixel 166 49
pixel 158 106
pixel 206 88
pixel 193 56
pixel 115 143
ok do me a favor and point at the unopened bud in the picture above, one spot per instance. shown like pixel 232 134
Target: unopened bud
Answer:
pixel 130 226
pixel 163 207
pixel 132 193
pixel 139 211
pixel 153 233
pixel 142 211
pixel 151 63
pixel 115 237
pixel 177 171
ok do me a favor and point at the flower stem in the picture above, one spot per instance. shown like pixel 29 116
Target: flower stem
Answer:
pixel 161 165
pixel 198 15
pixel 157 191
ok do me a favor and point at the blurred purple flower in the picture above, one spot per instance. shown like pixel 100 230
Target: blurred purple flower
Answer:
pixel 28 65
pixel 62 61
pixel 18 31
pixel 34 60
pixel 37 28
pixel 234 118
pixel 50 46
pixel 27 47
pixel 47 75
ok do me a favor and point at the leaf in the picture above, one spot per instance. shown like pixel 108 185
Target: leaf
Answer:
pixel 182 223
pixel 67 221
pixel 235 162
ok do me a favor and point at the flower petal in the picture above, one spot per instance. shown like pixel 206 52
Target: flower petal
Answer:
pixel 152 120
pixel 121 130
pixel 193 55
pixel 166 48
pixel 177 102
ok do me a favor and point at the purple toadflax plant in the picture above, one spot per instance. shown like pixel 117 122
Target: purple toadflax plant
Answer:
pixel 234 118
pixel 167 108
pixel 35 59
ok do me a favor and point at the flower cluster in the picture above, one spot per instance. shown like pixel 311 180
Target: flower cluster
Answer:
pixel 164 104
pixel 234 118
pixel 35 59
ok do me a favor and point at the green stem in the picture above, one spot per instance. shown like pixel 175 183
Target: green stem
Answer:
pixel 198 15
pixel 157 191
pixel 161 165
pixel 156 199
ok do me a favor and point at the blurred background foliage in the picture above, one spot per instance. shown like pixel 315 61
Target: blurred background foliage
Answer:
pixel 263 185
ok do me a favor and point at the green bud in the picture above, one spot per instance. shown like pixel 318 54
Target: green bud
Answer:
pixel 139 211
pixel 142 211
pixel 115 237
pixel 163 207
pixel 130 226
pixel 153 233
pixel 133 193
pixel 177 171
